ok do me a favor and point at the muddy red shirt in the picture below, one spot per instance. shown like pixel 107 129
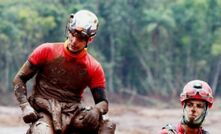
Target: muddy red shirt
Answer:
pixel 62 75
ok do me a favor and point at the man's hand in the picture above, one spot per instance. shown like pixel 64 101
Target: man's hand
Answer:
pixel 92 118
pixel 28 113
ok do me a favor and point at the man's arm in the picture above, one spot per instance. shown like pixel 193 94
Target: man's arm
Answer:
pixel 26 72
pixel 100 99
pixel 92 117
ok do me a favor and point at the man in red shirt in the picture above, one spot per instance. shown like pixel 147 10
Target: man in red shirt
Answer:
pixel 62 71
pixel 196 98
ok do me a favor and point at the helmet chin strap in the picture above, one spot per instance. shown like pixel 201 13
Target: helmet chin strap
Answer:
pixel 197 122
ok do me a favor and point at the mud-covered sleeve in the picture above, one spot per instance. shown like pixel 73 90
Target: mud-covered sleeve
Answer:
pixel 39 55
pixel 100 100
pixel 98 78
pixel 99 95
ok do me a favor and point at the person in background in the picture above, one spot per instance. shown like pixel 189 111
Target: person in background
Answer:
pixel 195 98
pixel 62 71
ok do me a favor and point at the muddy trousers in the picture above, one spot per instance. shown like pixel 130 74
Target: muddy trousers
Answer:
pixel 45 126
pixel 42 126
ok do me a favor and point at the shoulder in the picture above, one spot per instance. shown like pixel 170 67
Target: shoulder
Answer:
pixel 49 46
pixel 93 61
pixel 205 132
pixel 46 49
pixel 168 129
pixel 43 48
pixel 43 52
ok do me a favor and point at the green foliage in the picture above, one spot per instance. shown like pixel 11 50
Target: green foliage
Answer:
pixel 216 49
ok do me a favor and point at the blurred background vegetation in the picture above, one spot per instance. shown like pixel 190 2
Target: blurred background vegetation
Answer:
pixel 150 48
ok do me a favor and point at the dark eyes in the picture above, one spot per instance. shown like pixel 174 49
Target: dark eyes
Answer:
pixel 79 35
pixel 197 105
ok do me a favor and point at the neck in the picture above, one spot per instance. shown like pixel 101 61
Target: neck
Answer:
pixel 79 54
pixel 189 130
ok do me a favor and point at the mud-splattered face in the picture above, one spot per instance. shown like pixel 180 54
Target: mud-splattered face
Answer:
pixel 195 108
pixel 194 113
pixel 76 42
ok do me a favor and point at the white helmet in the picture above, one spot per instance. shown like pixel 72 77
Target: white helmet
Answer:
pixel 83 21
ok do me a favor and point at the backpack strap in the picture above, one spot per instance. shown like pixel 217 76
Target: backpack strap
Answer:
pixel 170 128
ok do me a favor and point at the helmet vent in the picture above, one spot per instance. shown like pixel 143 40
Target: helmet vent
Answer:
pixel 197 85
pixel 72 15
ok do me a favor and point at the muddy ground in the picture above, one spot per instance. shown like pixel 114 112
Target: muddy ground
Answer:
pixel 129 119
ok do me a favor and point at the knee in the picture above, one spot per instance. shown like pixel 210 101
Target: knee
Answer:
pixel 107 127
pixel 41 127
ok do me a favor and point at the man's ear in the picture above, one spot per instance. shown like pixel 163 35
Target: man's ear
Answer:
pixel 91 39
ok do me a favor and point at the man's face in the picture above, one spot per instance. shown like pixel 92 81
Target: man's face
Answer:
pixel 194 109
pixel 76 43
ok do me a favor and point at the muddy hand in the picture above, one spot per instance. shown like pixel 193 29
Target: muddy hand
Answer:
pixel 28 113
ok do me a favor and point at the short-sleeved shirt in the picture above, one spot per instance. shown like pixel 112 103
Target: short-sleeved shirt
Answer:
pixel 62 75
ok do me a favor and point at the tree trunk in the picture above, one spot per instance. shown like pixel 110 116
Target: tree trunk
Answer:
pixel 112 63
pixel 216 76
